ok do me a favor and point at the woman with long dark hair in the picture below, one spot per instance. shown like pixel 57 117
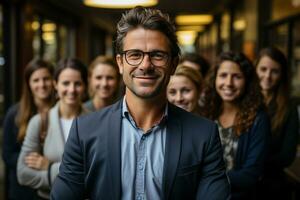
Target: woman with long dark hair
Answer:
pixel 273 72
pixel 42 150
pixel 233 100
pixel 37 97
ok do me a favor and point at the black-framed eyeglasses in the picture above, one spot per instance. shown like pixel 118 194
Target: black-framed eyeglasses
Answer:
pixel 135 57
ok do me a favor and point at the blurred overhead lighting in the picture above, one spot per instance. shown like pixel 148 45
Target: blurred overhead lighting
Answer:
pixel 119 3
pixel 49 37
pixel 193 19
pixel 49 27
pixel 239 25
pixel 35 25
pixel 186 37
pixel 190 28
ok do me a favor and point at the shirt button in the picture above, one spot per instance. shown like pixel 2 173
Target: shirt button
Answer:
pixel 141 167
pixel 139 197
pixel 143 137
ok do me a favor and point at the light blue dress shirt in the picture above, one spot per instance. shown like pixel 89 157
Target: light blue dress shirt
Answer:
pixel 142 158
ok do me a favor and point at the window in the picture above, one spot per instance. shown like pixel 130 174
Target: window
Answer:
pixel 51 40
pixel 278 36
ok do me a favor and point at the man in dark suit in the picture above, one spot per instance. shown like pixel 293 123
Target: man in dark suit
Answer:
pixel 142 147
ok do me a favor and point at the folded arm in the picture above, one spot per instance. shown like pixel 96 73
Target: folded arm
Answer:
pixel 27 175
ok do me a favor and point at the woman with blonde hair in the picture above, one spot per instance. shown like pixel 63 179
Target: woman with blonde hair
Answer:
pixel 37 97
pixel 184 89
pixel 104 83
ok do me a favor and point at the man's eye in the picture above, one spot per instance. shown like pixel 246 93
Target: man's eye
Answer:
pixel 134 55
pixel 157 55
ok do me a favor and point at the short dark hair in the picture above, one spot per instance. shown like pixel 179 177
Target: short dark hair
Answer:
pixel 150 19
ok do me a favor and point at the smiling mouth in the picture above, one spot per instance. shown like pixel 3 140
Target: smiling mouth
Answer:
pixel 145 77
pixel 182 105
pixel 228 92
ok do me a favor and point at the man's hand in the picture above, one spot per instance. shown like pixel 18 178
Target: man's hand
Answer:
pixel 36 161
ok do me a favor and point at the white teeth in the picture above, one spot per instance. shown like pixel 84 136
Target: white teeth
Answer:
pixel 228 92
pixel 182 106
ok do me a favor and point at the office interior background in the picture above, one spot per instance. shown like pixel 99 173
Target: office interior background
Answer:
pixel 54 29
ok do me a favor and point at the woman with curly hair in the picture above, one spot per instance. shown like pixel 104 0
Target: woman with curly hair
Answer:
pixel 273 72
pixel 233 100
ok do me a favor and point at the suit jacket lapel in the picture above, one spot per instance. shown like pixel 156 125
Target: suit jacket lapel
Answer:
pixel 173 149
pixel 114 150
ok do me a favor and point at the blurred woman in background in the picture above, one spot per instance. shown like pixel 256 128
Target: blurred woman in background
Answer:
pixel 197 62
pixel 42 150
pixel 184 89
pixel 233 100
pixel 104 83
pixel 273 72
pixel 37 97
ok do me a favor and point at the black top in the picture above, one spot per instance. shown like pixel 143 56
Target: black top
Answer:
pixel 11 150
pixel 284 140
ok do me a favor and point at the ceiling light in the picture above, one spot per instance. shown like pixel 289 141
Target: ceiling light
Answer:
pixel 49 27
pixel 186 37
pixel 49 37
pixel 193 19
pixel 115 4
pixel 239 25
pixel 191 28
pixel 35 25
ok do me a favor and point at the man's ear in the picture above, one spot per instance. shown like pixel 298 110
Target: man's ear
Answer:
pixel 120 63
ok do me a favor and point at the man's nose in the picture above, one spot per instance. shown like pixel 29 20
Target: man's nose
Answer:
pixel 146 63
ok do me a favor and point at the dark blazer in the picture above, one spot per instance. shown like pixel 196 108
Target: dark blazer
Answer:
pixel 10 154
pixel 91 165
pixel 250 158
pixel 284 140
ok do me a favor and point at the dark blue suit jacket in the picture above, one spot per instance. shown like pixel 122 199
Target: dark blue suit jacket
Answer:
pixel 91 165
pixel 250 158
pixel 10 153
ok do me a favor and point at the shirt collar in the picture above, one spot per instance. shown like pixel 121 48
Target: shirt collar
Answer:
pixel 126 113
